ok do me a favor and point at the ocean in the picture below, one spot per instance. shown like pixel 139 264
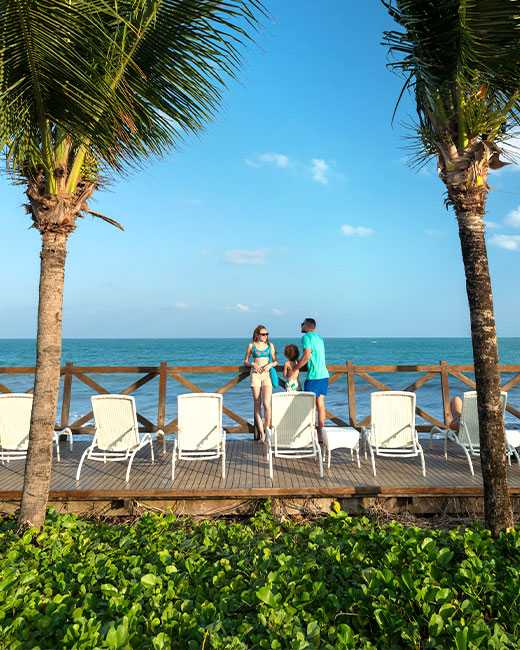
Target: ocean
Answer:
pixel 217 352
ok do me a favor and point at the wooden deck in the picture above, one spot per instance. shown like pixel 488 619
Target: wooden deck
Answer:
pixel 247 477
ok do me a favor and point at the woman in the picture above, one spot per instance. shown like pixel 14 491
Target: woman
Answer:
pixel 261 357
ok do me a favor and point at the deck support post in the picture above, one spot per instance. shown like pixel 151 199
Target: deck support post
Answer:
pixel 161 403
pixel 351 393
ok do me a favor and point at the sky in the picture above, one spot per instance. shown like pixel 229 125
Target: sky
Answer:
pixel 297 200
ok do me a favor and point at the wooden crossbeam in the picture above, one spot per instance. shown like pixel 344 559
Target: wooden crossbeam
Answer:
pixel 413 387
pixel 103 391
pixel 336 419
pixel 7 390
pixel 172 426
pixel 470 382
pixel 511 383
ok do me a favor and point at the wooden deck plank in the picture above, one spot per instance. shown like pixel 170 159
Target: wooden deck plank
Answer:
pixel 247 476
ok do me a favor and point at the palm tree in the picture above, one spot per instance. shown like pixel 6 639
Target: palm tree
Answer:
pixel 89 88
pixel 461 60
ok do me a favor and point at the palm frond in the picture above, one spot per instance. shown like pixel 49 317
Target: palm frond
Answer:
pixel 461 60
pixel 123 79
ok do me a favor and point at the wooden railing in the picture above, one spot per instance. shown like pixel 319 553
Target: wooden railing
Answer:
pixel 164 373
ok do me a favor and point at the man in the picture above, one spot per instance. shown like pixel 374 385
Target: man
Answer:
pixel 317 381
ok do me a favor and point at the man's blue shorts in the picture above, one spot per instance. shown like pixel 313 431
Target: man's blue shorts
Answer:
pixel 317 386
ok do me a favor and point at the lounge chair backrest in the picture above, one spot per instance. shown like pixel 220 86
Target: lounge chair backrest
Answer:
pixel 294 419
pixel 200 421
pixel 115 418
pixel 393 419
pixel 469 429
pixel 15 420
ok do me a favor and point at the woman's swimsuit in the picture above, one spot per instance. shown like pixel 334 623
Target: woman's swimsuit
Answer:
pixel 261 354
pixel 258 379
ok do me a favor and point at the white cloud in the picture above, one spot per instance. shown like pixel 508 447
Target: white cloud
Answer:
pixel 269 158
pixel 492 225
pixel 319 171
pixel 433 232
pixel 513 218
pixel 181 305
pixel 240 307
pixel 277 312
pixel 243 256
pixel 509 242
pixel 356 231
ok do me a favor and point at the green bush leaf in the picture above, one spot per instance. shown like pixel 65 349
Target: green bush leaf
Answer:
pixel 435 625
pixel 266 596
pixel 149 580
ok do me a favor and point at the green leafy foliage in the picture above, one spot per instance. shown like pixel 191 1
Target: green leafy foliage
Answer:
pixel 337 582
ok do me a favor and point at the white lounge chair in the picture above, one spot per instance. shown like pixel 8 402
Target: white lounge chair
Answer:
pixel 15 422
pixel 200 435
pixel 293 430
pixel 117 434
pixel 392 432
pixel 467 437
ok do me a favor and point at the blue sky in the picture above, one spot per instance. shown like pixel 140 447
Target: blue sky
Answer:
pixel 295 201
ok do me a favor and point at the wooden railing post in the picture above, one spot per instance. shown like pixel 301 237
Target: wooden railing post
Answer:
pixel 161 405
pixel 351 390
pixel 67 395
pixel 445 390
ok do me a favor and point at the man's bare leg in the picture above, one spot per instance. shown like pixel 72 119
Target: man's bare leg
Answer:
pixel 320 407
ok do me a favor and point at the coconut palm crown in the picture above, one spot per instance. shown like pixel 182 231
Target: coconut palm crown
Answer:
pixel 461 61
pixel 89 88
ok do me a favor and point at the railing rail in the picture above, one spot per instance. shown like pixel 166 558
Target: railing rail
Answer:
pixel 164 374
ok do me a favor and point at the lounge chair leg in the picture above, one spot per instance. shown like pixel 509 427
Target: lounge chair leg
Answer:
pixel 373 460
pixel 83 456
pixel 57 441
pixel 174 460
pixel 422 462
pixel 357 454
pixel 469 461
pixel 68 433
pixel 132 456
pixel 151 450
pixel 223 465
pixel 320 459
pixel 270 457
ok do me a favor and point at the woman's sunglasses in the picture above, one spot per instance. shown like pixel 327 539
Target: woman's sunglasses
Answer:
pixel 264 333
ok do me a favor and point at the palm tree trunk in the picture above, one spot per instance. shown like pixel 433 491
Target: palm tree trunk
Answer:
pixel 46 381
pixel 497 504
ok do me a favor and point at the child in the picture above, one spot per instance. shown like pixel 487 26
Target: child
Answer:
pixel 291 375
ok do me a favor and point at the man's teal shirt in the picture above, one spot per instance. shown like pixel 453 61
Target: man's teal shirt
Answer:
pixel 317 366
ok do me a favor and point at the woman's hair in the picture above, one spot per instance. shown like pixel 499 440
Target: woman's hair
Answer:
pixel 256 333
pixel 291 352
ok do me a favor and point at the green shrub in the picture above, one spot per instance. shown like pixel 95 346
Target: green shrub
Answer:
pixel 336 582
